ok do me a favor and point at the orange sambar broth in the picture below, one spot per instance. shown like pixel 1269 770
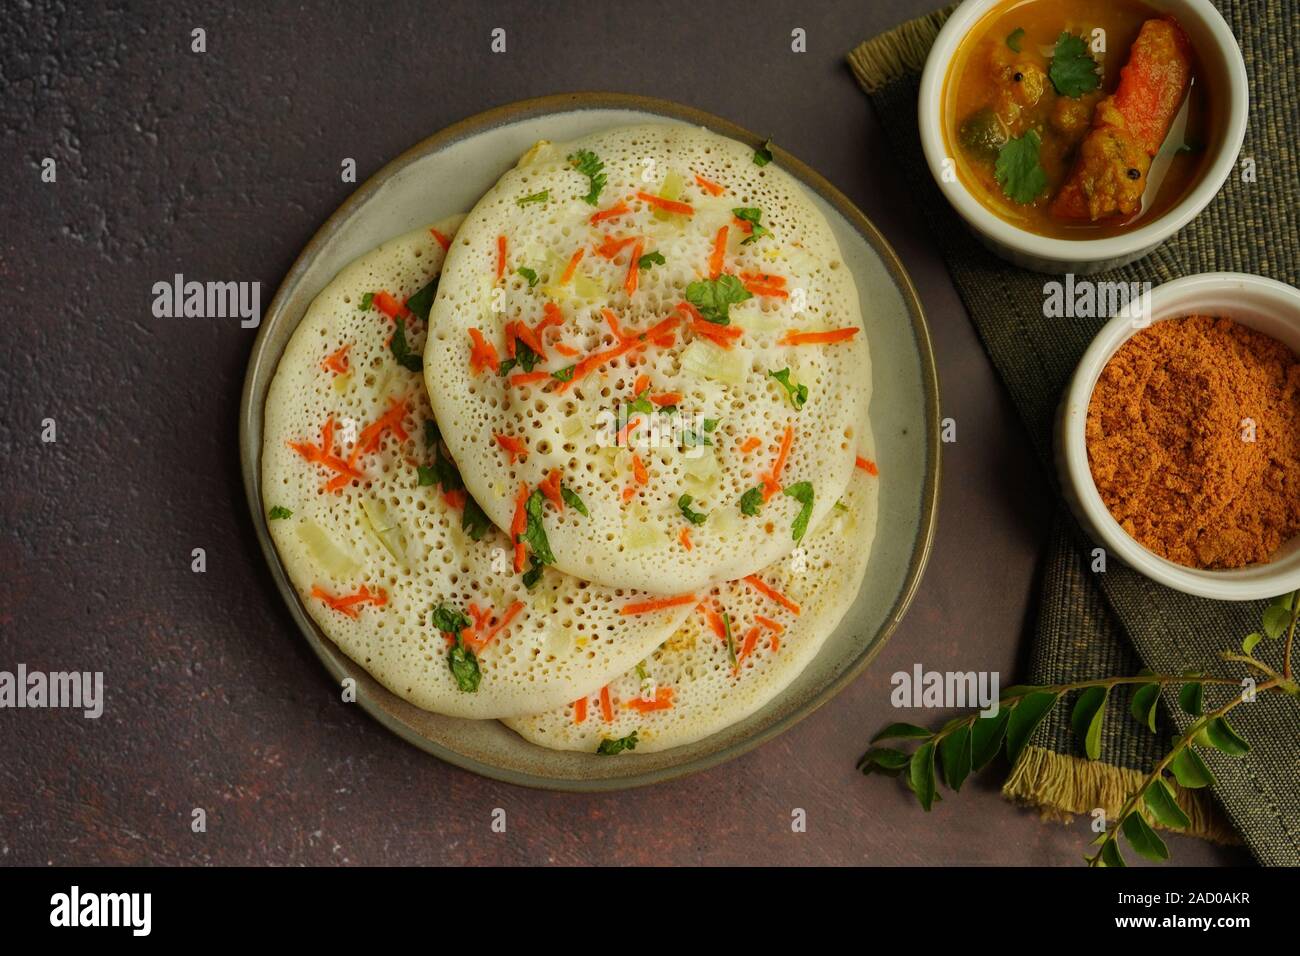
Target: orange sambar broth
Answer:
pixel 966 91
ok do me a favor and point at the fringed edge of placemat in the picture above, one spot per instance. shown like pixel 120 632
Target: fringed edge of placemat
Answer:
pixel 1060 786
pixel 897 52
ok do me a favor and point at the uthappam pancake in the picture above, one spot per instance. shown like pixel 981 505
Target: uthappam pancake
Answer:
pixel 658 319
pixel 390 556
pixel 744 645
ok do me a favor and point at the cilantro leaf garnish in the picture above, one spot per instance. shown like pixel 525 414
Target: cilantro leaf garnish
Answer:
pixel 535 533
pixel 763 155
pixel 401 351
pixel 474 521
pixel 715 297
pixel 563 374
pixel 655 258
pixel 1018 170
pixel 542 196
pixel 534 572
pixel 609 748
pixel 444 472
pixel 798 393
pixel 366 301
pixel 1073 71
pixel 641 404
pixel 450 619
pixel 1014 38
pixel 751 501
pixel 693 439
pixel 588 164
pixel 529 274
pixel 684 506
pixel 801 492
pixel 525 357
pixel 751 215
pixel 464 667
pixel 711 423
pixel 422 301
pixel 573 501
pixel 507 366
pixel 279 512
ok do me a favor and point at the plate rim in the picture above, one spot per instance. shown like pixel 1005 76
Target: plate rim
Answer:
pixel 250 457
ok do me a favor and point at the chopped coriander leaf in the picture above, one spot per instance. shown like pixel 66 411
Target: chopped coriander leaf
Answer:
pixel 751 215
pixel 401 351
pixel 711 423
pixel 731 641
pixel 641 672
pixel 507 366
pixel 529 274
pixel 684 506
pixel 450 619
pixel 542 196
pixel 751 501
pixel 366 301
pixel 655 258
pixel 641 404
pixel 693 439
pixel 1014 38
pixel 1073 71
pixel 588 164
pixel 714 297
pixel 798 393
pixel 535 533
pixel 279 512
pixel 841 506
pixel 474 522
pixel 763 155
pixel 428 475
pixel 464 667
pixel 431 433
pixel 609 748
pixel 1018 170
pixel 801 492
pixel 422 301
pixel 525 356
pixel 667 409
pixel 534 572
pixel 573 501
pixel 563 374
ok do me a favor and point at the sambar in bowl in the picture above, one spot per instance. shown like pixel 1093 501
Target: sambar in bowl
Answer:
pixel 1075 135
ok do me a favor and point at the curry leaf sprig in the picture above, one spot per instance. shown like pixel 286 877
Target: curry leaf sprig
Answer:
pixel 970 743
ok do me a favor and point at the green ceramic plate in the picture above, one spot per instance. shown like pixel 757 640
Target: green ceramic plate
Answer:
pixel 446 174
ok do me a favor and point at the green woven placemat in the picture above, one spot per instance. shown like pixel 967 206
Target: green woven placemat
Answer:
pixel 1095 625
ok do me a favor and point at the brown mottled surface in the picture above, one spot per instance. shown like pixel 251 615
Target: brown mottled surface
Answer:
pixel 221 165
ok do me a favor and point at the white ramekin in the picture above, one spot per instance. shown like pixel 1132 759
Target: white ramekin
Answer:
pixel 1223 68
pixel 1263 304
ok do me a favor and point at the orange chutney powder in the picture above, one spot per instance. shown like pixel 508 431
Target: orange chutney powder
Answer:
pixel 1193 437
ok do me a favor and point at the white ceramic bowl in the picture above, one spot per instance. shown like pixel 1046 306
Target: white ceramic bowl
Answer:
pixel 1221 66
pixel 1262 304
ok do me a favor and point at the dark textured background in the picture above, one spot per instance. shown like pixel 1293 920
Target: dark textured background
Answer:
pixel 221 165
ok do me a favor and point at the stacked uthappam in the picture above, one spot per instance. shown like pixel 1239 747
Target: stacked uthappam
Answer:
pixel 595 460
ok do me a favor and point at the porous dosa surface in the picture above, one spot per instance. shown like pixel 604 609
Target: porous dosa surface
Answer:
pixel 391 533
pixel 636 540
pixel 707 693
